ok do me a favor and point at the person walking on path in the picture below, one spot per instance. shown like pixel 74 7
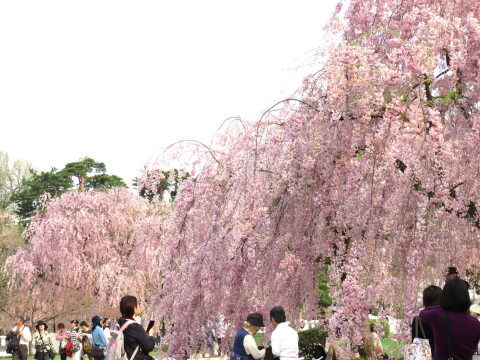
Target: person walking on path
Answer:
pixel 25 336
pixel 220 331
pixel 42 342
pixel 76 340
pixel 62 337
pixel 86 340
pixel 99 340
pixel 106 328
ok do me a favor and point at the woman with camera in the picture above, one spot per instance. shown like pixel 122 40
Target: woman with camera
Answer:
pixel 136 341
pixel 42 342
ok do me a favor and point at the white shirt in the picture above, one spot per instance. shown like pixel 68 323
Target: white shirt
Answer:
pixel 107 334
pixel 284 342
pixel 27 335
pixel 251 348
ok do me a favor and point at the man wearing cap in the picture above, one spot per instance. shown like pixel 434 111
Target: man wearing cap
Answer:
pixel 284 339
pixel 25 336
pixel 76 340
pixel 245 346
pixel 452 273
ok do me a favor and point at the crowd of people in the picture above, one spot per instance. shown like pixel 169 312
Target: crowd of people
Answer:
pixel 72 343
pixel 446 321
pixel 452 332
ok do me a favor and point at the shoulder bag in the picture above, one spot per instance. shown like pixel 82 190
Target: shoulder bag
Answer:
pixel 419 349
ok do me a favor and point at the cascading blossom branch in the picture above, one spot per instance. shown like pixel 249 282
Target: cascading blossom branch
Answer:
pixel 373 169
pixel 105 244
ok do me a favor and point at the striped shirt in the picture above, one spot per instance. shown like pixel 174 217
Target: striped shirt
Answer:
pixel 73 336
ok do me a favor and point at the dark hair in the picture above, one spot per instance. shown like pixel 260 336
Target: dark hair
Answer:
pixel 61 325
pixel 431 296
pixel 455 296
pixel 84 323
pixel 452 270
pixel 127 306
pixel 278 314
pixel 21 318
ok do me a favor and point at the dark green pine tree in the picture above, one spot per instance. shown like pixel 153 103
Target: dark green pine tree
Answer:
pixel 88 173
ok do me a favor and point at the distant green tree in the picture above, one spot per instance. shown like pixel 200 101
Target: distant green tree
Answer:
pixel 28 198
pixel 88 174
pixel 82 171
pixel 473 277
pixel 158 183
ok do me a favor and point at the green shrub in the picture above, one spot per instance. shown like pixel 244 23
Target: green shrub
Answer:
pixel 385 327
pixel 307 339
pixel 323 288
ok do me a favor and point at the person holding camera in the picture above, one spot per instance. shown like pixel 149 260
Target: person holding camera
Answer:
pixel 24 336
pixel 42 342
pixel 136 340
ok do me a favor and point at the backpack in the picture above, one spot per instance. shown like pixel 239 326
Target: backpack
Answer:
pixel 115 349
pixel 87 345
pixel 13 342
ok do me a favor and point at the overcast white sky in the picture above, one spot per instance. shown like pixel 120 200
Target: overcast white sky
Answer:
pixel 120 80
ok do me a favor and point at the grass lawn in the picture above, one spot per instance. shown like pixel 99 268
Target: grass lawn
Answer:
pixel 393 348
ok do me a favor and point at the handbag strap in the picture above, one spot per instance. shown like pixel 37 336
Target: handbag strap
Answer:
pixel 419 322
pixel 446 319
pixel 41 337
pixel 134 353
pixel 416 326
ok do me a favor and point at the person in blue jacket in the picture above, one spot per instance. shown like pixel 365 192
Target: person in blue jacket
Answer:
pixel 244 345
pixel 98 337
